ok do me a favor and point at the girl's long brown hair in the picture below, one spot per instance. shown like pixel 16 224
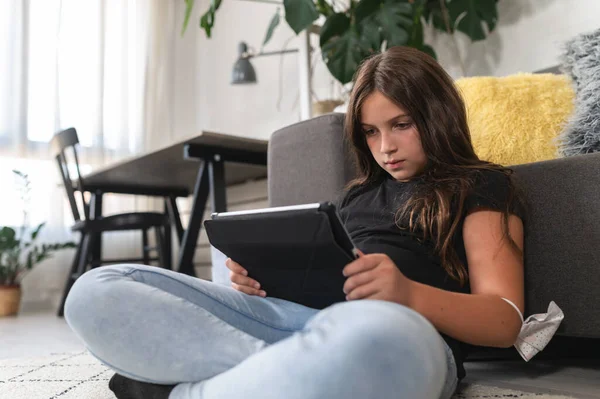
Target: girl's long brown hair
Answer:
pixel 416 82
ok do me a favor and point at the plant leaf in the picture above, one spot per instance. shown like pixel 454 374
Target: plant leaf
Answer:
pixel 366 8
pixel 8 239
pixel 395 19
pixel 473 14
pixel 371 35
pixel 300 14
pixel 42 256
pixel 427 49
pixel 488 12
pixel 416 36
pixel 37 230
pixel 7 233
pixel 274 23
pixel 343 54
pixel 389 20
pixel 20 174
pixel 189 6
pixel 324 8
pixel 344 46
pixel 207 21
pixel 336 25
pixel 433 14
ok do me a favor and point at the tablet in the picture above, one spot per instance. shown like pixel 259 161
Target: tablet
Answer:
pixel 296 252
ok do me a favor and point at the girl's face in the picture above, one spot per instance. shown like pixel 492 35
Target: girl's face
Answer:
pixel 392 137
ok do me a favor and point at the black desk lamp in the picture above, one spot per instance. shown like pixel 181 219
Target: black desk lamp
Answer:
pixel 243 72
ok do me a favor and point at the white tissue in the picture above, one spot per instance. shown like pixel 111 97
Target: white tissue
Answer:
pixel 537 330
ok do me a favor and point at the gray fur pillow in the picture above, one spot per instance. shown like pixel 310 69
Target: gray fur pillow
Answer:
pixel 581 61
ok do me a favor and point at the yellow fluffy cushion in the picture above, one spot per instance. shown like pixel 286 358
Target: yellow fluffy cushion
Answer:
pixel 515 119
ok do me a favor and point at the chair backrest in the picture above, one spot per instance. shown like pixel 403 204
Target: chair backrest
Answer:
pixel 60 143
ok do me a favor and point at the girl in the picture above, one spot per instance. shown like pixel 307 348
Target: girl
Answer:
pixel 441 269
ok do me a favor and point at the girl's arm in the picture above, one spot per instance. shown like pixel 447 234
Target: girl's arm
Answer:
pixel 495 272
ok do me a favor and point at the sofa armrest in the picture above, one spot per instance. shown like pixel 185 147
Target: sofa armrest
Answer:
pixel 562 233
pixel 308 161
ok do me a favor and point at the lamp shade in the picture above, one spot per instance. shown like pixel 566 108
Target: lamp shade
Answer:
pixel 243 72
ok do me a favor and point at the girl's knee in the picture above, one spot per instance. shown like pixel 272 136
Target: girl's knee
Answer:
pixel 387 344
pixel 383 331
pixel 89 294
pixel 381 318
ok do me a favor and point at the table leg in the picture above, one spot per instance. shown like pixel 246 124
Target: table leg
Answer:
pixel 168 244
pixel 190 236
pixel 174 216
pixel 96 211
pixel 218 197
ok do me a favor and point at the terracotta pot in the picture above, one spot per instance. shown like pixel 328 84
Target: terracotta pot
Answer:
pixel 10 299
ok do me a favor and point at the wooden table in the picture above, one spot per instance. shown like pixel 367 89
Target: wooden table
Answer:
pixel 203 166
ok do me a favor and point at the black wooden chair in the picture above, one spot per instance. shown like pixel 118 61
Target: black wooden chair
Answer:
pixel 88 251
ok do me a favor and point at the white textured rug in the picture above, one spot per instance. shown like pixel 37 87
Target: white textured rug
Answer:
pixel 80 376
pixel 62 375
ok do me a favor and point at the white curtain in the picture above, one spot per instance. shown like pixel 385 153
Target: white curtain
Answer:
pixel 101 66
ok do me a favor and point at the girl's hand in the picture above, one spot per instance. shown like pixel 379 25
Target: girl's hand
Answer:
pixel 240 280
pixel 376 276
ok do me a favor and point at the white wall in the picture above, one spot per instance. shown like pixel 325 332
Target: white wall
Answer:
pixel 249 110
pixel 528 38
pixel 186 111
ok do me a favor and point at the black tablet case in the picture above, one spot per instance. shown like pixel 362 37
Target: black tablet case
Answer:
pixel 294 255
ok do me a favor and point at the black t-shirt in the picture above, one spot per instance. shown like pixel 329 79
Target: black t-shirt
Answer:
pixel 369 213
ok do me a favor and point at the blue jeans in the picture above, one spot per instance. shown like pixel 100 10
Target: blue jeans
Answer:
pixel 156 325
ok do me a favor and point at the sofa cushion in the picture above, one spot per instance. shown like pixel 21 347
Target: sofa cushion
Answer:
pixel 516 119
pixel 581 62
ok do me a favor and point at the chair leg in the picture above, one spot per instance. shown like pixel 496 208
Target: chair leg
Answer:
pixel 168 247
pixel 80 256
pixel 145 249
pixel 94 258
pixel 86 255
pixel 160 246
pixel 95 252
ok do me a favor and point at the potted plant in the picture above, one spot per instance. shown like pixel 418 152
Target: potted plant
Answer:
pixel 351 33
pixel 20 252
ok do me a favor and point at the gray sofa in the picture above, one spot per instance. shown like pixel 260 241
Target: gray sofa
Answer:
pixel 308 162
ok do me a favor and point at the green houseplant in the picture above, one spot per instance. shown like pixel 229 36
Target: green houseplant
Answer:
pixel 350 34
pixel 19 253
